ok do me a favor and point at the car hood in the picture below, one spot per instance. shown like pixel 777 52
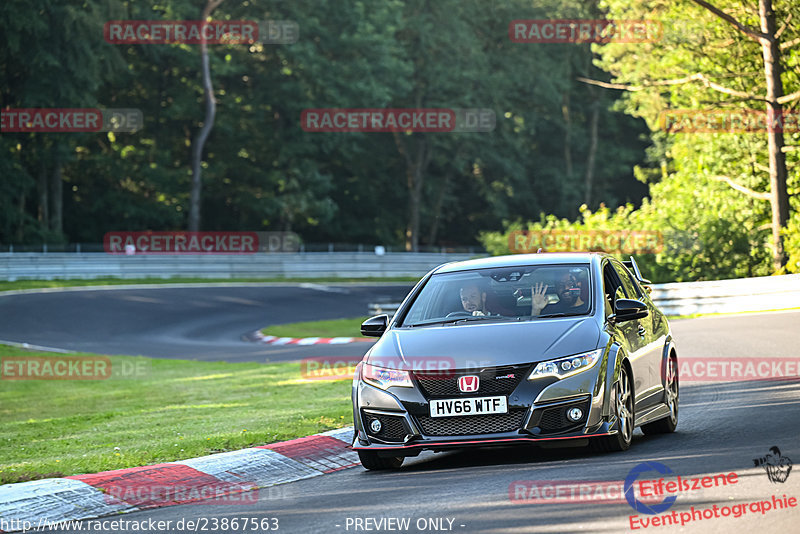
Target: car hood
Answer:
pixel 484 345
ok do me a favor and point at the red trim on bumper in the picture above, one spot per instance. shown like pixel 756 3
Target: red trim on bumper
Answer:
pixel 430 444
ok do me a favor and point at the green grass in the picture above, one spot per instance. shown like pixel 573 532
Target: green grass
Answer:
pixel 38 284
pixel 332 328
pixel 169 410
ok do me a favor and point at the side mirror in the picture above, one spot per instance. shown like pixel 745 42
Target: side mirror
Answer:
pixel 375 326
pixel 629 309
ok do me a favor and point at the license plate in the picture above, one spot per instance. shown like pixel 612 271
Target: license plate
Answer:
pixel 469 406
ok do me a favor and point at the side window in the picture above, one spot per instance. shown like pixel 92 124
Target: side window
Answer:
pixel 638 288
pixel 619 294
pixel 631 287
pixel 612 289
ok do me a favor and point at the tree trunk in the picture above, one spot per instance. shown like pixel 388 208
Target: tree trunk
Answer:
pixel 412 229
pixel 567 135
pixel 590 160
pixel 21 220
pixel 416 166
pixel 416 176
pixel 44 197
pixel 56 193
pixel 437 209
pixel 200 140
pixel 779 198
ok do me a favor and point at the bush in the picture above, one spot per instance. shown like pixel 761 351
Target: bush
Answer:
pixel 791 243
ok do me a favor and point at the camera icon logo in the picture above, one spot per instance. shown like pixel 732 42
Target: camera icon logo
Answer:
pixel 777 466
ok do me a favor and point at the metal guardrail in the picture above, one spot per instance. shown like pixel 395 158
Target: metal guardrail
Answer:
pixel 718 296
pixel 54 266
pixel 728 296
pixel 87 248
pixel 685 298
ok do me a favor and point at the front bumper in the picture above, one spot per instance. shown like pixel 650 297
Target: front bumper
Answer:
pixel 536 413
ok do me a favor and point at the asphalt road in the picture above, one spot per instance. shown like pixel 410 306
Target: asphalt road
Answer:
pixel 722 428
pixel 203 323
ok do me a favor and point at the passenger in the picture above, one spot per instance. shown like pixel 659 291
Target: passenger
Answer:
pixel 568 289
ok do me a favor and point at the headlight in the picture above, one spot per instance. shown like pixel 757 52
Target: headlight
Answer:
pixel 383 378
pixel 564 367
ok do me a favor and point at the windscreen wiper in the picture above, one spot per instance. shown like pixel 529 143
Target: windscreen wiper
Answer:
pixel 468 319
pixel 562 314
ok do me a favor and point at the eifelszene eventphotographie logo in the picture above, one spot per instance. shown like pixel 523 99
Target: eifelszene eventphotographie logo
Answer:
pixel 629 489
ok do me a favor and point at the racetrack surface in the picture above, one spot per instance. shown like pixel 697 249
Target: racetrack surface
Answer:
pixel 722 428
pixel 203 323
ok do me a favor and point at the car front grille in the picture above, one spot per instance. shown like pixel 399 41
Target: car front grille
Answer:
pixel 393 427
pixel 492 381
pixel 464 425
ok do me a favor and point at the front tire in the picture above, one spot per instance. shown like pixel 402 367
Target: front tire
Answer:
pixel 624 410
pixel 370 460
pixel 667 425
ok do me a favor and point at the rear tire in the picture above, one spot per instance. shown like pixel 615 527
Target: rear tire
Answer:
pixel 668 424
pixel 623 409
pixel 370 460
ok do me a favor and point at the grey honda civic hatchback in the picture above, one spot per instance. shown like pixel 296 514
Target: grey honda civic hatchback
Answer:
pixel 559 348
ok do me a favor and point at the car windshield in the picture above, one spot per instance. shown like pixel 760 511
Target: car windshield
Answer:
pixel 502 294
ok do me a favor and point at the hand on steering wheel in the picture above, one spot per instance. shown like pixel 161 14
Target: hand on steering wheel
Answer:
pixel 459 313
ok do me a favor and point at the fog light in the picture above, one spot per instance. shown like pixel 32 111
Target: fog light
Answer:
pixel 574 414
pixel 375 425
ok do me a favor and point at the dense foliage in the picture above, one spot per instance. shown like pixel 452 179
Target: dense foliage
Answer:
pixel 711 229
pixel 261 171
pixel 577 131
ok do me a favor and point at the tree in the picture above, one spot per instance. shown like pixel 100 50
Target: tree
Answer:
pixel 718 60
pixel 48 61
pixel 208 123
pixel 261 171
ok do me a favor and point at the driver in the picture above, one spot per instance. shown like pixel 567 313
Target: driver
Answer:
pixel 477 299
pixel 473 299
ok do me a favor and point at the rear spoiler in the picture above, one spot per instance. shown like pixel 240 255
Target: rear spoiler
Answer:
pixel 632 267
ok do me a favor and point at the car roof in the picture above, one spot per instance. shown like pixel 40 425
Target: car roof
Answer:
pixel 517 260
